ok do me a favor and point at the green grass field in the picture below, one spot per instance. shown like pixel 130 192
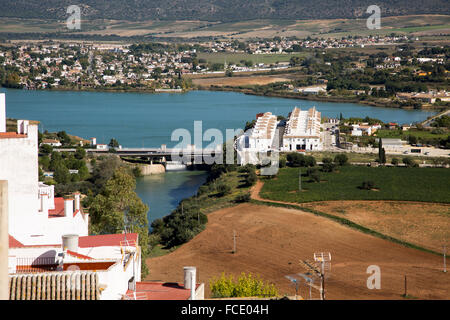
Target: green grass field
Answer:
pixel 391 183
pixel 404 134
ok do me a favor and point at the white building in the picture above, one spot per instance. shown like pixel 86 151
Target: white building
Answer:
pixel 51 142
pixel 313 90
pixel 302 131
pixel 364 129
pixel 259 139
pixel 50 254
pixel 35 215
pixel 101 146
pixel 103 267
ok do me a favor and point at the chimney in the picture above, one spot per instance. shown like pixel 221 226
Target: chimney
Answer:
pixel 68 207
pixel 44 203
pixel 190 280
pixel 22 126
pixel 2 113
pixel 77 201
pixel 70 242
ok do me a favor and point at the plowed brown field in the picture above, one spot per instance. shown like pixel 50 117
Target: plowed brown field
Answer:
pixel 272 240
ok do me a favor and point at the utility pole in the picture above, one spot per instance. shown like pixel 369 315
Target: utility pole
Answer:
pixel 234 241
pixel 445 261
pixel 406 287
pixel 299 179
pixel 318 270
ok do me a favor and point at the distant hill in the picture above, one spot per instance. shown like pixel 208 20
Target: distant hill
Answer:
pixel 218 10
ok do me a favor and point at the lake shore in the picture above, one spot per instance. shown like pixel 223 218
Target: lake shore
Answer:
pixel 286 95
pixel 320 98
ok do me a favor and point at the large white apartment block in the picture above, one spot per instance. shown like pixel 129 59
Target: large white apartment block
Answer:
pixel 260 138
pixel 302 131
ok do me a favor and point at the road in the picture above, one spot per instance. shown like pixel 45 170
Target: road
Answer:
pixel 428 121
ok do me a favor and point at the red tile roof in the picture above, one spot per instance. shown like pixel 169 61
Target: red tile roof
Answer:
pixel 78 255
pixel 59 209
pixel 58 212
pixel 106 240
pixel 160 291
pixel 11 135
pixel 13 243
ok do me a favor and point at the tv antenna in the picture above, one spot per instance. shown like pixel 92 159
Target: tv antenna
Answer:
pixel 318 268
pixel 324 259
pixel 293 278
pixel 234 241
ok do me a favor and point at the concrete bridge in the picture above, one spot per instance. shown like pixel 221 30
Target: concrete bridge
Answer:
pixel 162 154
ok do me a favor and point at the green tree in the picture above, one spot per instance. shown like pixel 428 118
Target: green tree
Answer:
pixel 117 207
pixel 409 162
pixel 113 143
pixel 80 153
pixel 251 178
pixel 64 137
pixel 381 152
pixel 46 149
pixel 328 165
pixel 341 159
pixel 61 174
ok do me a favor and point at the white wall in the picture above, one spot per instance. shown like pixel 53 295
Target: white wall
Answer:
pixel 2 113
pixel 19 165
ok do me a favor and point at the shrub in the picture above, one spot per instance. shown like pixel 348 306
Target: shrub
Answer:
pixel 223 189
pixel 368 185
pixel 251 178
pixel 341 159
pixel 394 161
pixel 315 176
pixel 300 160
pixel 282 163
pixel 245 286
pixel 137 172
pixel 244 197
pixel 409 162
pixel 310 161
pixel 328 165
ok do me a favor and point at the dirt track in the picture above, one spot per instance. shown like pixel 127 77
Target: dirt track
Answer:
pixel 272 240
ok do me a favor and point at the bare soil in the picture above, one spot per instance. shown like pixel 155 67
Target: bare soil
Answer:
pixel 423 224
pixel 239 81
pixel 272 240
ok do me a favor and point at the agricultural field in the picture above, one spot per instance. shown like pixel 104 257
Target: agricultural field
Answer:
pixel 390 183
pixel 239 80
pixel 423 224
pixel 424 134
pixel 272 240
pixel 236 58
pixel 423 25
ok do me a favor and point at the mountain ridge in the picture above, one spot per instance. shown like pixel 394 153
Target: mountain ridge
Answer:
pixel 218 10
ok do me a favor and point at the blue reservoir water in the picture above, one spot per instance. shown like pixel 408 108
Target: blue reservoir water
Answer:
pixel 148 120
